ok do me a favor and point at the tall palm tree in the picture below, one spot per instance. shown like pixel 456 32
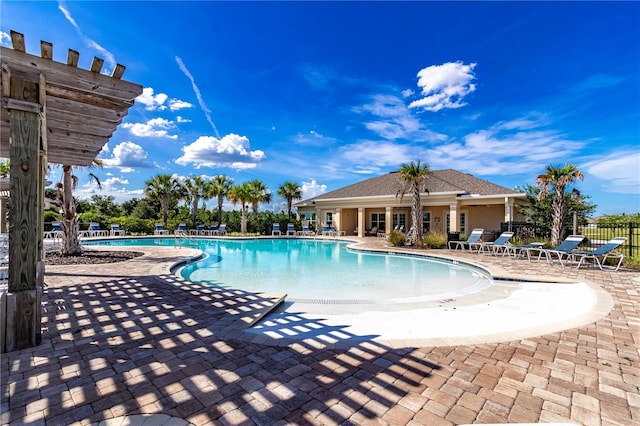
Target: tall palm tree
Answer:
pixel 261 194
pixel 290 191
pixel 220 187
pixel 196 189
pixel 245 195
pixel 70 220
pixel 165 189
pixel 413 178
pixel 554 182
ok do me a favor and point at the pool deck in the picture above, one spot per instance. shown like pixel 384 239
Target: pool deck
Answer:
pixel 129 343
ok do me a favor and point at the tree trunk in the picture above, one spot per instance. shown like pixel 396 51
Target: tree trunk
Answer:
pixel 220 201
pixel 558 217
pixel 70 239
pixel 243 220
pixel 416 223
pixel 165 211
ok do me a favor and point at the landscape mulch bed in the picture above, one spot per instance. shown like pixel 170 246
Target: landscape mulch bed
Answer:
pixel 89 257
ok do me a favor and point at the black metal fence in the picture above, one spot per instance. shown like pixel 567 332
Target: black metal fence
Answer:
pixel 596 235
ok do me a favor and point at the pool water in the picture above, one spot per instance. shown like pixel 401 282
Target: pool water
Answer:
pixel 322 271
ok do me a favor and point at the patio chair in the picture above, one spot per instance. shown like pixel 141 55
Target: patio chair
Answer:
pixel 213 229
pixel 291 230
pixel 497 246
pixel 599 256
pixel 372 232
pixel 475 238
pixel 198 231
pixel 222 230
pixel 160 230
pixel 182 229
pixel 513 250
pixel 115 230
pixel 276 229
pixel 94 230
pixel 305 230
pixel 564 249
pixel 327 231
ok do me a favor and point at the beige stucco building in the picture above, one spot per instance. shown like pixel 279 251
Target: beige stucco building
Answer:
pixel 454 202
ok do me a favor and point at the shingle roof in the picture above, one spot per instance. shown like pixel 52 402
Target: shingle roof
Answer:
pixel 438 181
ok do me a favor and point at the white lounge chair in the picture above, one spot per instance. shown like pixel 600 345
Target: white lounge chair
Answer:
pixel 497 246
pixel 276 229
pixel 473 240
pixel 160 230
pixel 564 249
pixel 115 230
pixel 291 229
pixel 599 256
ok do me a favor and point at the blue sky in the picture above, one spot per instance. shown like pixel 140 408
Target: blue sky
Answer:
pixel 330 93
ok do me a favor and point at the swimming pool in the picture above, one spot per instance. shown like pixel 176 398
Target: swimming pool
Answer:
pixel 316 271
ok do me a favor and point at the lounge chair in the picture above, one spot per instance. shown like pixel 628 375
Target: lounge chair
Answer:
pixel 327 231
pixel 276 229
pixel 513 250
pixel 564 249
pixel 94 231
pixel 372 232
pixel 497 246
pixel 291 229
pixel 473 241
pixel 305 230
pixel 56 231
pixel 198 231
pixel 599 256
pixel 211 230
pixel 182 229
pixel 160 230
pixel 115 230
pixel 222 230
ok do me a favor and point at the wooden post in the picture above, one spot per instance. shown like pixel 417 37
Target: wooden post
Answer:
pixel 22 303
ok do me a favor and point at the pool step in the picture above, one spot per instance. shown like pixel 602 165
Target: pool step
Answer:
pixel 254 310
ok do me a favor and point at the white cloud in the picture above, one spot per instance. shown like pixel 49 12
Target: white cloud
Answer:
pixel 504 149
pixel 312 189
pixel 620 171
pixel 393 120
pixel 177 104
pixel 150 101
pixel 154 128
pixel 5 39
pixel 372 157
pixel 313 138
pixel 231 151
pixel 113 186
pixel 127 156
pixel 181 119
pixel 444 86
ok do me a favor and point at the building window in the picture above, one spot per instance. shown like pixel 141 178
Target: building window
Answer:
pixel 400 220
pixel 328 218
pixel 426 222
pixel 378 219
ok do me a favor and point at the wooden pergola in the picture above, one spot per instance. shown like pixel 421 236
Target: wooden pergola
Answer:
pixel 51 113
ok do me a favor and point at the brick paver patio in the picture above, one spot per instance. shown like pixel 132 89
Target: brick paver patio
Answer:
pixel 131 339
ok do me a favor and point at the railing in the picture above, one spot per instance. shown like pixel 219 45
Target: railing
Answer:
pixel 596 234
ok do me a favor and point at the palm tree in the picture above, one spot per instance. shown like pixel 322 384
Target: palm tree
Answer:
pixel 220 187
pixel 556 179
pixel 70 220
pixel 245 195
pixel 413 178
pixel 196 189
pixel 165 189
pixel 261 195
pixel 290 191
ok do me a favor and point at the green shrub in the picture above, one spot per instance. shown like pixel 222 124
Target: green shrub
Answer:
pixel 397 238
pixel 434 240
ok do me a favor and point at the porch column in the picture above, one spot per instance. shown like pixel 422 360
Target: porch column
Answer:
pixel 453 218
pixel 360 222
pixel 337 221
pixel 388 220
pixel 21 304
pixel 508 211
